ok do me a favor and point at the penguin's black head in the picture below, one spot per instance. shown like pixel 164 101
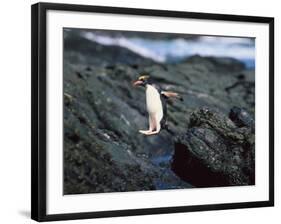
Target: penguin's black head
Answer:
pixel 142 81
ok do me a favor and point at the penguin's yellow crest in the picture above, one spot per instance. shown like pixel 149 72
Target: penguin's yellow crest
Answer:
pixel 143 77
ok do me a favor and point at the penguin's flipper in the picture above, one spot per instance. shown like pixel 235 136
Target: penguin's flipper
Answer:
pixel 169 95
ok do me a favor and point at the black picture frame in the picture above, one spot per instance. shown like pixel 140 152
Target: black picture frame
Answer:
pixel 39 122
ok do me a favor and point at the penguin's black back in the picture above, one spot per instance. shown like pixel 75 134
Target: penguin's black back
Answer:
pixel 163 99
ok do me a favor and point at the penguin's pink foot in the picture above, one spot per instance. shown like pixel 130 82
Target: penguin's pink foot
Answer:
pixel 145 132
pixel 153 132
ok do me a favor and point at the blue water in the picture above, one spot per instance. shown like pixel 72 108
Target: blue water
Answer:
pixel 164 183
pixel 249 63
pixel 162 159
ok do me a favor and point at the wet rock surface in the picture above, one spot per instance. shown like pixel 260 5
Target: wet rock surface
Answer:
pixel 216 150
pixel 103 150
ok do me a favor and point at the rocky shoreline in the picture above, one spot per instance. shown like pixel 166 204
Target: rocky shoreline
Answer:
pixel 216 150
pixel 103 151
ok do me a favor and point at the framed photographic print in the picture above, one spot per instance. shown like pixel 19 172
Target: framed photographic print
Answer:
pixel 138 111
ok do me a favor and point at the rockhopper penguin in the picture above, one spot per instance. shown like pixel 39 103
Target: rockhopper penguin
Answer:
pixel 155 104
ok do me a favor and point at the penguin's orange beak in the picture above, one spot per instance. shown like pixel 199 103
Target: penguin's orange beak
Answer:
pixel 137 83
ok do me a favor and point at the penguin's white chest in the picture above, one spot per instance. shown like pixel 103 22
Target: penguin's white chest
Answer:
pixel 153 102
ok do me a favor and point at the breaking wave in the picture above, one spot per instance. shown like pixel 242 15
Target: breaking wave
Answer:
pixel 176 49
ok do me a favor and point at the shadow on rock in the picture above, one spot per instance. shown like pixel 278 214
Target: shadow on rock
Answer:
pixel 216 150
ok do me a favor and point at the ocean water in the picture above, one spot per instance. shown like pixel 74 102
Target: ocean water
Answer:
pixel 176 49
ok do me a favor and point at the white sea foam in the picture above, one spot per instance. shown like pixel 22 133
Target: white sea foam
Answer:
pixel 162 50
pixel 126 43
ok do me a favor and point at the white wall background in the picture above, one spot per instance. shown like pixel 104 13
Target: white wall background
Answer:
pixel 15 110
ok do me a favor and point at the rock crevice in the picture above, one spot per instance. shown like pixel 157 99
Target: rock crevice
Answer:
pixel 216 150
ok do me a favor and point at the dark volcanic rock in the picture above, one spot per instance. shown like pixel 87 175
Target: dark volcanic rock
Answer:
pixel 241 117
pixel 79 50
pixel 215 151
pixel 103 150
pixel 218 64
